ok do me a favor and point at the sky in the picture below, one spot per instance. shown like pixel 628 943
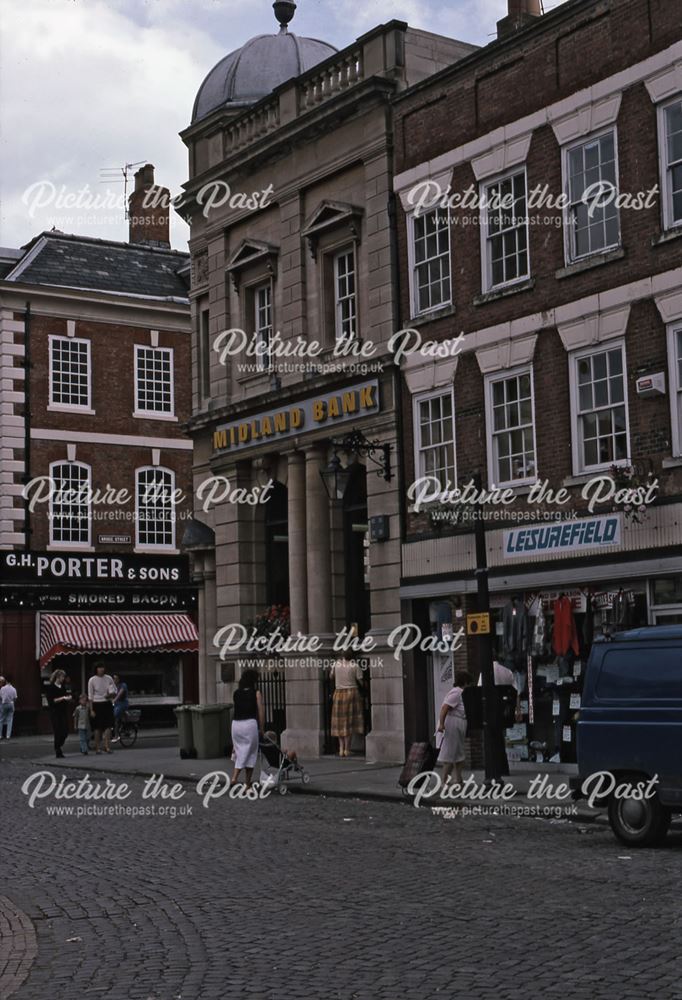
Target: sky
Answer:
pixel 93 84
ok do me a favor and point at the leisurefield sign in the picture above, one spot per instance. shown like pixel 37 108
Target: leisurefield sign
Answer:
pixel 562 538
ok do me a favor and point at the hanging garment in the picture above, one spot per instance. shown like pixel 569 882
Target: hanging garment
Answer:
pixel 621 610
pixel 588 623
pixel 539 632
pixel 565 635
pixel 515 629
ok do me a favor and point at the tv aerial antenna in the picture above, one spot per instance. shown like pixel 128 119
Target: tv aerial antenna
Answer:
pixel 114 175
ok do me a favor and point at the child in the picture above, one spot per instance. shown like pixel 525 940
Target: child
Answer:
pixel 82 716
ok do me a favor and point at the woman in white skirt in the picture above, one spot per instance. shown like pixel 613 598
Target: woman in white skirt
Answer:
pixel 248 721
pixel 452 722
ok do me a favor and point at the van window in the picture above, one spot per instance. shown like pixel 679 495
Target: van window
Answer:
pixel 640 674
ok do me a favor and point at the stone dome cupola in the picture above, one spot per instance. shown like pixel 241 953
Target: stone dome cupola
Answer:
pixel 252 72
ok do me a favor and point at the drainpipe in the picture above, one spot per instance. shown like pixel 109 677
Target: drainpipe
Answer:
pixel 27 421
pixel 397 380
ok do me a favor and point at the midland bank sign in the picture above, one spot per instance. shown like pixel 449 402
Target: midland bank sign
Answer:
pixel 327 409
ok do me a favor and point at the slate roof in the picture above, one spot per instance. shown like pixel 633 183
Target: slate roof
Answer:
pixel 55 258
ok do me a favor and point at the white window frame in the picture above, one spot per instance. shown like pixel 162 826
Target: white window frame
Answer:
pixel 579 466
pixel 414 296
pixel 141 546
pixel 69 407
pixel 486 246
pixel 56 542
pixel 338 299
pixel 668 222
pixel 571 257
pixel 155 414
pixel 263 362
pixel 421 397
pixel 501 376
pixel 675 383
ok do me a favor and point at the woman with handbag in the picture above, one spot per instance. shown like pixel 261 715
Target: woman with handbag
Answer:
pixel 248 722
pixel 347 704
pixel 452 722
pixel 58 702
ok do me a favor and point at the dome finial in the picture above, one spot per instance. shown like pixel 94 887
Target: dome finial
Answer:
pixel 284 11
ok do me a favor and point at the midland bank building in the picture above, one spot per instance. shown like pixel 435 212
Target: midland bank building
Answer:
pixel 315 265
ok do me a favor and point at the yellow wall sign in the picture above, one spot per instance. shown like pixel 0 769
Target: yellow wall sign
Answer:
pixel 327 409
pixel 478 624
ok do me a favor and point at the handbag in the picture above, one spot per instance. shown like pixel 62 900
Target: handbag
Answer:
pixel 507 696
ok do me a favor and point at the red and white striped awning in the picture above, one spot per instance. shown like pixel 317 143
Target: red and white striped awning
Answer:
pixel 116 634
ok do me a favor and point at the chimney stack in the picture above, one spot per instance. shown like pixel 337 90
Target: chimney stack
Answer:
pixel 520 13
pixel 149 210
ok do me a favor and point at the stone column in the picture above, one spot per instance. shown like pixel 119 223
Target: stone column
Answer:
pixel 305 720
pixel 317 544
pixel 298 575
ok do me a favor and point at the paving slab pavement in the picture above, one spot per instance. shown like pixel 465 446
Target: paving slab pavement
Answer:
pixel 352 777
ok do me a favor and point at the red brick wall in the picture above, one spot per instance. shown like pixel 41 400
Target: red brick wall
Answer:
pixel 563 52
pixel 114 467
pixel 567 51
pixel 113 399
pixel 113 378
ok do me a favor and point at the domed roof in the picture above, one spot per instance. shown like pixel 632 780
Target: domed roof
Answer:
pixel 259 66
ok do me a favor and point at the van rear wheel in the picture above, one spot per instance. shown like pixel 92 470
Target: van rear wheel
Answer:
pixel 639 824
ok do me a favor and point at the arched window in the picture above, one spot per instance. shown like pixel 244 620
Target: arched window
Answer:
pixel 155 507
pixel 70 503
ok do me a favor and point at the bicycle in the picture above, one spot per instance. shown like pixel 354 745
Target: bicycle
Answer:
pixel 128 726
pixel 126 729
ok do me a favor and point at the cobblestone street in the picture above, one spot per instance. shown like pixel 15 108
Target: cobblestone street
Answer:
pixel 305 897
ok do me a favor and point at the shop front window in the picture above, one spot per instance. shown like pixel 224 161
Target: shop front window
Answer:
pixel 667 590
pixel 152 679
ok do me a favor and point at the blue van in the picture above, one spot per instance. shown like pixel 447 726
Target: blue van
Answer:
pixel 630 725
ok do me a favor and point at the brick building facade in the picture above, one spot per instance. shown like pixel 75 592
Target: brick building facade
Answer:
pixel 568 328
pixel 95 390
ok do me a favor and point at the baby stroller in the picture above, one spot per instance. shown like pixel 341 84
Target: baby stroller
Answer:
pixel 276 767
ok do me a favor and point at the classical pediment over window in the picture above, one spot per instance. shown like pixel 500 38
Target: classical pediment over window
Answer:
pixel 332 216
pixel 252 253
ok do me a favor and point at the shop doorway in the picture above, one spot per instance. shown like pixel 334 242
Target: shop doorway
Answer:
pixel 440 667
pixel 277 546
pixel 356 592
